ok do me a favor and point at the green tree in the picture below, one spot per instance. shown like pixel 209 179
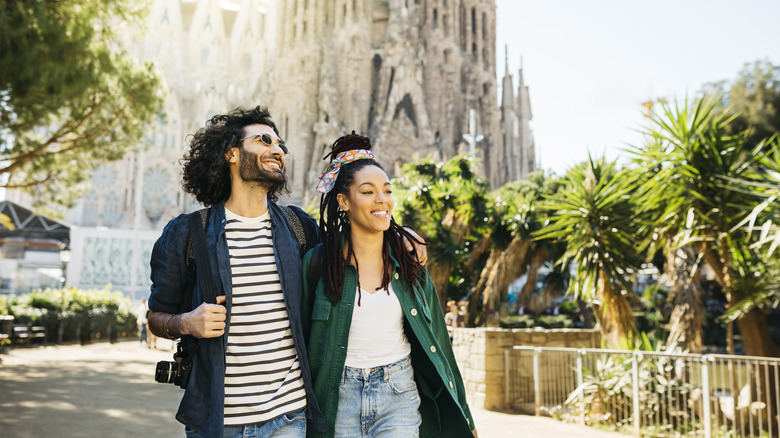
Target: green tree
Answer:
pixel 70 97
pixel 753 98
pixel 594 215
pixel 445 202
pixel 693 160
pixel 513 251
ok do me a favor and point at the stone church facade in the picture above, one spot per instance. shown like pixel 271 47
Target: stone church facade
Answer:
pixel 407 73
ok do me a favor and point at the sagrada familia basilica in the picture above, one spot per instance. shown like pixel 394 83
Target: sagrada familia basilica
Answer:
pixel 416 76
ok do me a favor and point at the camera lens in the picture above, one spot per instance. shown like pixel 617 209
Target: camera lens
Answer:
pixel 164 372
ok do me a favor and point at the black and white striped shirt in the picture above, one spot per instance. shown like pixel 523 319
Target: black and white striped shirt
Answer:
pixel 262 375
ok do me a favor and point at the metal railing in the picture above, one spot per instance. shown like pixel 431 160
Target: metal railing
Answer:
pixel 647 393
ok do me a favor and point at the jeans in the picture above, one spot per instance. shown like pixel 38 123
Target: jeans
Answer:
pixel 379 402
pixel 291 425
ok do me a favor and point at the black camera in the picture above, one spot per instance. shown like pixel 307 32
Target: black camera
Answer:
pixel 178 371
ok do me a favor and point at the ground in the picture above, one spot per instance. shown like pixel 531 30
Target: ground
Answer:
pixel 108 390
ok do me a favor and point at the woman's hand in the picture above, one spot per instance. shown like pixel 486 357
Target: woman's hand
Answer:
pixel 420 249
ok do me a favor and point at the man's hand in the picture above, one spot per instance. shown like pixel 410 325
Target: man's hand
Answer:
pixel 206 321
pixel 420 249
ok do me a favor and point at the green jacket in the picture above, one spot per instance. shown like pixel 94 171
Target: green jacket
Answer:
pixel 443 406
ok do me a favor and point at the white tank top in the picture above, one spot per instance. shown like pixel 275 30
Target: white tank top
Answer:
pixel 376 336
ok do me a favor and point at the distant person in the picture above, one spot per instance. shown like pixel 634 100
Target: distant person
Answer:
pixel 454 318
pixel 142 321
pixel 376 325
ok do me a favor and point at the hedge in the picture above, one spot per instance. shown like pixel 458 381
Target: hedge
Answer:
pixel 72 314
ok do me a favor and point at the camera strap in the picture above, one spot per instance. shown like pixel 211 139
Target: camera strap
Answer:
pixel 202 263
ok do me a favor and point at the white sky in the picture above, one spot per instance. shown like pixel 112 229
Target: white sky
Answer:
pixel 590 64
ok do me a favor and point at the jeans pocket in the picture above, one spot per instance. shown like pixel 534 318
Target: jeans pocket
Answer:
pixel 293 417
pixel 402 380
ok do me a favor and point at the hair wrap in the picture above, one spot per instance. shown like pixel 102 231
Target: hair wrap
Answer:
pixel 328 177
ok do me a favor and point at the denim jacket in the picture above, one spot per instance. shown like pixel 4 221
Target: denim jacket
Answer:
pixel 443 407
pixel 202 406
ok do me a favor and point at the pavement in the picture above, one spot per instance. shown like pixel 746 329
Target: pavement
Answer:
pixel 108 390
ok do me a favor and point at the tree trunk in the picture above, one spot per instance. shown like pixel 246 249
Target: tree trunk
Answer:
pixel 755 335
pixel 614 315
pixel 440 274
pixel 509 265
pixel 687 319
pixel 538 259
pixel 586 314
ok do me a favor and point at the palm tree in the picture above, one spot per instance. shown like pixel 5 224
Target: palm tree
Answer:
pixel 699 173
pixel 445 202
pixel 513 251
pixel 692 161
pixel 594 216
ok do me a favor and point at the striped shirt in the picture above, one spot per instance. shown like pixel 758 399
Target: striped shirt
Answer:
pixel 262 375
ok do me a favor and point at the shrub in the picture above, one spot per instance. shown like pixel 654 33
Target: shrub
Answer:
pixel 80 314
pixel 530 321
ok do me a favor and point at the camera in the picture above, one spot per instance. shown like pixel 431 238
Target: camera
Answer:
pixel 178 370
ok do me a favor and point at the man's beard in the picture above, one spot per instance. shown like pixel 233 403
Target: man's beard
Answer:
pixel 250 170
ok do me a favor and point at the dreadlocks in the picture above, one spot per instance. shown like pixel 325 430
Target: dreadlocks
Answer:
pixel 334 222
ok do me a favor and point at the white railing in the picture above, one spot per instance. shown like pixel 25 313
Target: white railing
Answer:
pixel 647 393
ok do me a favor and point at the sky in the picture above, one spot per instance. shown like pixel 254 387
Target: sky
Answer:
pixel 589 65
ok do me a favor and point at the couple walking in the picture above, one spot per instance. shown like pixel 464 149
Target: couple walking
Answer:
pixel 329 329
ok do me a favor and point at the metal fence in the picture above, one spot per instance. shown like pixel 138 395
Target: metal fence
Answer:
pixel 647 393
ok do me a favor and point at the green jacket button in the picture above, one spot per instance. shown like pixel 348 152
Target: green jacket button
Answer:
pixel 413 312
pixel 451 386
pixel 433 349
pixel 396 276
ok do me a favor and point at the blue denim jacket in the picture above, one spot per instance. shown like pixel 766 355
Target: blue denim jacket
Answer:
pixel 202 406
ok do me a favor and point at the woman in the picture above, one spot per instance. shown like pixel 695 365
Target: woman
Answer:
pixel 380 357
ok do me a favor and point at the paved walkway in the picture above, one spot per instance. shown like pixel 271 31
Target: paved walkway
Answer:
pixel 108 390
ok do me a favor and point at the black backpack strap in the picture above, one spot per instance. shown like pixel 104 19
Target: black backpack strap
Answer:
pixel 197 224
pixel 315 272
pixel 189 261
pixel 297 228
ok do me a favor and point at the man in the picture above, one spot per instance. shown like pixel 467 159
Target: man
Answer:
pixel 250 376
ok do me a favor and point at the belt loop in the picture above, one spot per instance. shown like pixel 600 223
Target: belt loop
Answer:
pixel 343 374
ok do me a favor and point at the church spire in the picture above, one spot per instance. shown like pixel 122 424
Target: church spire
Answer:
pixel 506 59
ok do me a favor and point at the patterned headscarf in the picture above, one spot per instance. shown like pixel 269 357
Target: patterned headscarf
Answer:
pixel 328 177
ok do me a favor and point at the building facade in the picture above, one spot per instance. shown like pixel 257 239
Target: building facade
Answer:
pixel 413 75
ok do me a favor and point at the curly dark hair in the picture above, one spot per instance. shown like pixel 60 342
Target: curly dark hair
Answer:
pixel 206 172
pixel 333 221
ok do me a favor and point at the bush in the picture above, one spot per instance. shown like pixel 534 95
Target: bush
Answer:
pixel 530 321
pixel 82 315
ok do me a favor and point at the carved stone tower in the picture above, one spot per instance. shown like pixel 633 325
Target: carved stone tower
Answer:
pixel 404 72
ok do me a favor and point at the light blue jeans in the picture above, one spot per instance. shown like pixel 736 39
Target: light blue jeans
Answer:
pixel 379 402
pixel 287 426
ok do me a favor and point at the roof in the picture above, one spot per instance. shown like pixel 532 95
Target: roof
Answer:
pixel 30 225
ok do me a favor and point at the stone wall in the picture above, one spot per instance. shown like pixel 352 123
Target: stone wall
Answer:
pixel 480 356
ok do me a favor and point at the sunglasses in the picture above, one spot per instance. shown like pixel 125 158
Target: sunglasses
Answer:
pixel 268 141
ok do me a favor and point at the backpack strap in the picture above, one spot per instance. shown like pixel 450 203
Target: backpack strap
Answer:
pixel 197 233
pixel 189 261
pixel 297 228
pixel 315 272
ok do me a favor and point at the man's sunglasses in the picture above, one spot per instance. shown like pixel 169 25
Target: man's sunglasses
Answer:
pixel 268 141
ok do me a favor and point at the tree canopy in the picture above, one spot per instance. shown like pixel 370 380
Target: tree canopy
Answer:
pixel 753 98
pixel 71 98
